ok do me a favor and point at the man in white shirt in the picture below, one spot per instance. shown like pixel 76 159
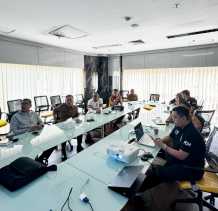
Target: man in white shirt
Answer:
pixel 95 103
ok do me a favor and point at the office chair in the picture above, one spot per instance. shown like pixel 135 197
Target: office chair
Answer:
pixel 124 94
pixel 13 107
pixel 79 101
pixel 209 182
pixel 207 116
pixel 55 101
pixel 41 103
pixel 154 97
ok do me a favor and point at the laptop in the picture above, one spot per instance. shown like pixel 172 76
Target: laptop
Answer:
pixel 143 138
pixel 128 181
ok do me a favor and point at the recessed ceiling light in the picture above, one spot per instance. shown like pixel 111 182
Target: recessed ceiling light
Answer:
pixel 177 5
pixel 134 25
pixel 127 18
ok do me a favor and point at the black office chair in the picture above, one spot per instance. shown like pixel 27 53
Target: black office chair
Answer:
pixel 154 97
pixel 207 116
pixel 209 181
pixel 13 107
pixel 41 103
pixel 55 101
pixel 80 102
pixel 124 94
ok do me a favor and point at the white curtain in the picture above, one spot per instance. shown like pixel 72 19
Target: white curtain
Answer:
pixel 26 81
pixel 201 81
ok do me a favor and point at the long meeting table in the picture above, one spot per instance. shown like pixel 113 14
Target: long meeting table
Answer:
pixel 31 145
pixel 92 164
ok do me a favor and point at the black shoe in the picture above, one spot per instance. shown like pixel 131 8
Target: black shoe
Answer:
pixel 130 117
pixel 43 161
pixel 79 149
pixel 63 158
pixel 89 141
pixel 69 147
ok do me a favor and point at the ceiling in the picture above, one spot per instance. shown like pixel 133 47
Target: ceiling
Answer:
pixel 104 23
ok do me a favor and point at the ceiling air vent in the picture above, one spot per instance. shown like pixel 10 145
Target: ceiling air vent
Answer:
pixel 68 32
pixel 192 33
pixel 137 42
pixel 107 46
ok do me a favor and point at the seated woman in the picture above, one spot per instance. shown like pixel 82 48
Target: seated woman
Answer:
pixel 179 100
pixel 197 120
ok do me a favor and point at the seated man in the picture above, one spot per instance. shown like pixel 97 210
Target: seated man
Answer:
pixel 95 104
pixel 132 96
pixel 27 121
pixel 62 113
pixel 187 150
pixel 115 98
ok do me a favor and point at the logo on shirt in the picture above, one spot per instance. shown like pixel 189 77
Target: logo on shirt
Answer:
pixel 186 143
pixel 176 132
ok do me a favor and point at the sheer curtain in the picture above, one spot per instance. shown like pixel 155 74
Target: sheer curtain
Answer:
pixel 27 81
pixel 201 81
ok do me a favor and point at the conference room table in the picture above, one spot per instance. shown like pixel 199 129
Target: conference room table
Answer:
pixel 95 162
pixel 31 145
pixel 50 190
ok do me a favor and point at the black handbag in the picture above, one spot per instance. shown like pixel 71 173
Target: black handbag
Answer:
pixel 21 172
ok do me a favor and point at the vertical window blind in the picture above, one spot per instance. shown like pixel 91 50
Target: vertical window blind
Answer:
pixel 26 81
pixel 201 81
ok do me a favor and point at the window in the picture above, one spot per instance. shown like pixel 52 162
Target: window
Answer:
pixel 27 81
pixel 201 81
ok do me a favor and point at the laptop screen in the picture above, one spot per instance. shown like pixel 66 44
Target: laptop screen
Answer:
pixel 139 131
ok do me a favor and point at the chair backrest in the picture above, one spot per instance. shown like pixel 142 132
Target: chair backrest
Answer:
pixel 201 103
pixel 79 99
pixel 124 93
pixel 212 149
pixel 55 100
pixel 154 97
pixel 14 105
pixel 206 115
pixel 41 103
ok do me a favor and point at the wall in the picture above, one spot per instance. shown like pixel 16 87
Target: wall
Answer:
pixel 24 52
pixel 200 56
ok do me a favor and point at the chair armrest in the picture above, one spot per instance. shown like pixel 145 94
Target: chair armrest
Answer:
pixel 208 169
